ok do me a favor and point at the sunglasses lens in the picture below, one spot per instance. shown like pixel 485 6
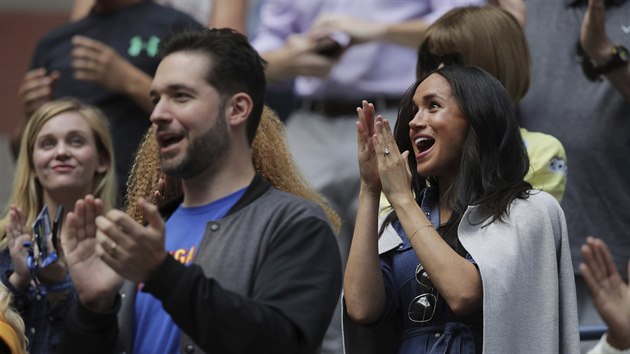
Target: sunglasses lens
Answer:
pixel 422 308
pixel 422 277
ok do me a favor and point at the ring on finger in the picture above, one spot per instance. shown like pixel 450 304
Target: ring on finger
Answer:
pixel 386 151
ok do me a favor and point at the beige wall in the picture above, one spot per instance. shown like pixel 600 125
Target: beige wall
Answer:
pixel 22 23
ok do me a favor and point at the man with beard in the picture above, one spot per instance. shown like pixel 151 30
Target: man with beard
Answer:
pixel 238 267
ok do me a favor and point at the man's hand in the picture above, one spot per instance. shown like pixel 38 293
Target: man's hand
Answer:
pixel 97 62
pixel 360 31
pixel 611 295
pixel 132 250
pixel 36 89
pixel 95 282
pixel 297 58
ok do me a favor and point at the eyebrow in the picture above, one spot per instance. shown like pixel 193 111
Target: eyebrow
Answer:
pixel 432 96
pixel 71 133
pixel 171 88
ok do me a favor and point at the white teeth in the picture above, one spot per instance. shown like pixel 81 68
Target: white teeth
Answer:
pixel 420 140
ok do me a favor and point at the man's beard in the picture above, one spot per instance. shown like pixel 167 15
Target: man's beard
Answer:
pixel 203 153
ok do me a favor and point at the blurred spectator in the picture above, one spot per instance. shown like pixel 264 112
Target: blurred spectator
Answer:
pixel 106 59
pixel 213 13
pixel 12 338
pixel 588 110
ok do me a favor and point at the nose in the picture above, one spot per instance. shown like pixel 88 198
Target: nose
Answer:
pixel 161 113
pixel 418 121
pixel 62 152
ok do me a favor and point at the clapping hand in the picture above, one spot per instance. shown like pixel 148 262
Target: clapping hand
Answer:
pixel 611 295
pixel 95 282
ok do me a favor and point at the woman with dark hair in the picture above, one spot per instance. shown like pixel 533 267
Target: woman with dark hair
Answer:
pixel 468 247
pixel 490 37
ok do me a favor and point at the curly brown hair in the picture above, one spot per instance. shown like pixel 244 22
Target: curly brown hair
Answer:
pixel 270 154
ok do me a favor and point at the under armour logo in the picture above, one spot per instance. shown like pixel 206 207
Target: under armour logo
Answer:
pixel 136 45
pixel 625 29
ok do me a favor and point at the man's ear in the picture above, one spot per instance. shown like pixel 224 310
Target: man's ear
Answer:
pixel 239 108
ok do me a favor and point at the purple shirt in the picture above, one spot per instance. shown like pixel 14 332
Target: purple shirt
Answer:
pixel 367 70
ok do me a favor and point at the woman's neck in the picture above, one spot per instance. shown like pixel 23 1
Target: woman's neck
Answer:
pixel 66 199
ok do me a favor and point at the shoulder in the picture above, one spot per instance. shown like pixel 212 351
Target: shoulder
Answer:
pixel 61 35
pixel 289 205
pixel 531 215
pixel 541 142
pixel 536 205
pixel 162 13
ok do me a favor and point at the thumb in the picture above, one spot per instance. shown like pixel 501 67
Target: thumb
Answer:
pixel 68 233
pixel 405 156
pixel 151 215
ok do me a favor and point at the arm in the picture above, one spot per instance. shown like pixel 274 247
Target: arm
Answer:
pixel 364 290
pixel 95 61
pixel 91 324
pixel 405 33
pixel 516 8
pixel 80 9
pixel 284 314
pixel 457 279
pixel 229 13
pixel 611 295
pixel 598 46
pixel 296 58
pixel 89 332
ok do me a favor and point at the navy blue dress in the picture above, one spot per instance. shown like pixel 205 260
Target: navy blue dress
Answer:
pixel 446 332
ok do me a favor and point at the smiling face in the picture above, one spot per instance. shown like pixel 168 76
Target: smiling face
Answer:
pixel 438 129
pixel 191 127
pixel 65 156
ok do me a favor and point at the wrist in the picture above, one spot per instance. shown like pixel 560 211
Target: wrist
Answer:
pixel 403 202
pixel 618 342
pixel 369 192
pixel 19 282
pixel 104 303
pixel 602 54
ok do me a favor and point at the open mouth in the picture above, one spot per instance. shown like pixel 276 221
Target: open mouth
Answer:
pixel 424 143
pixel 168 139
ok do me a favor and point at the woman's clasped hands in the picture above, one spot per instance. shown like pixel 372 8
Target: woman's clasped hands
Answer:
pixel 381 164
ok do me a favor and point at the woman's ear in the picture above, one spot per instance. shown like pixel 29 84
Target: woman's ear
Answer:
pixel 239 108
pixel 103 163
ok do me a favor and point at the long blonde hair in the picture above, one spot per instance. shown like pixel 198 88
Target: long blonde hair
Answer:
pixel 13 336
pixel 270 154
pixel 27 193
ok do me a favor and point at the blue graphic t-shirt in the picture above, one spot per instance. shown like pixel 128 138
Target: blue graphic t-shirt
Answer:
pixel 155 331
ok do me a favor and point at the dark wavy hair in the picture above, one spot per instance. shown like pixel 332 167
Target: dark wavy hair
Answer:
pixel 235 66
pixel 493 159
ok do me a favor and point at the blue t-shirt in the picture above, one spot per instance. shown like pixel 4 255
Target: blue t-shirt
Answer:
pixel 155 331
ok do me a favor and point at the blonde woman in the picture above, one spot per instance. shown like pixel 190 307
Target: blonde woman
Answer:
pixel 12 337
pixel 65 153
